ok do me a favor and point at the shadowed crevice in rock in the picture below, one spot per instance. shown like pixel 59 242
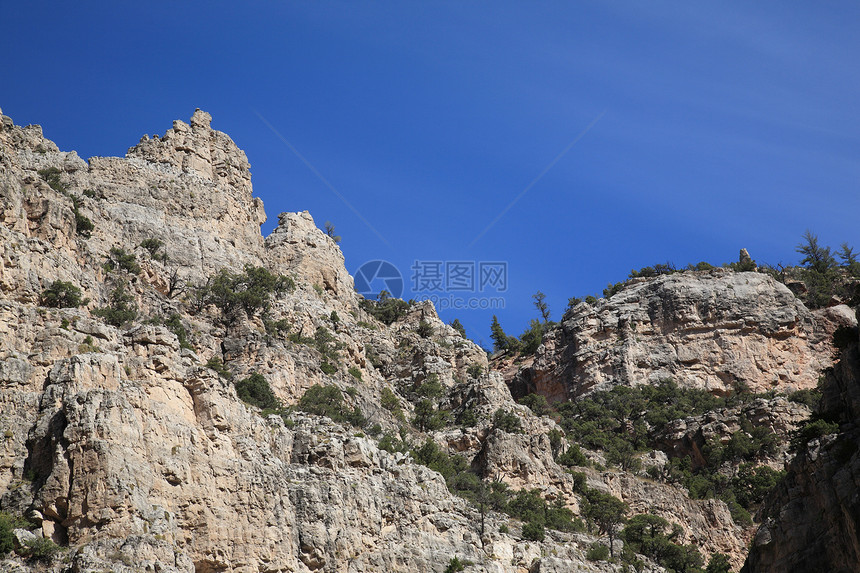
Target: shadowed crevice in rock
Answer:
pixel 811 521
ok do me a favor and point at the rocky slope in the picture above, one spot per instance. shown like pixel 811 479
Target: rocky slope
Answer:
pixel 122 445
pixel 129 446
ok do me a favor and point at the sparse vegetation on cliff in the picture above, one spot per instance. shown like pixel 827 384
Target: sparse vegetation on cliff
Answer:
pixel 250 292
pixel 386 308
pixel 121 308
pixel 62 294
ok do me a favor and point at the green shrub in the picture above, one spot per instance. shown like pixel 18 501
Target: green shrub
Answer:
pixel 458 326
pixel 612 289
pixel 700 266
pixel 425 329
pixel 719 563
pixel 152 245
pixel 83 226
pixel 328 368
pixel 536 403
pixel 503 528
pixel 502 341
pixel 119 259
pixel 604 513
pixel 322 401
pixel 121 308
pixel 467 418
pixel 431 387
pixel 327 345
pixel 255 390
pixel 812 430
pixel 655 271
pixel 532 338
pixel 560 518
pixel 573 457
pixel 299 339
pixel 533 531
pixel 648 535
pixel 218 366
pixel 428 418
pixel 390 443
pixel 41 549
pixel 389 400
pixel 597 552
pixel 429 454
pixel 751 483
pixel 385 309
pixel 527 505
pixel 62 295
pixel 808 397
pixel 474 371
pixel 507 421
pixel 454 565
pixel 88 345
pixel 329 230
pixel 739 515
pixel 250 292
pixel 355 372
pixel 276 328
pixel 579 481
pixel 51 176
pixel 174 324
pixel 8 523
pixel 328 401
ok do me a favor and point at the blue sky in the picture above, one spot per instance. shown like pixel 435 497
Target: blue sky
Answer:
pixel 712 126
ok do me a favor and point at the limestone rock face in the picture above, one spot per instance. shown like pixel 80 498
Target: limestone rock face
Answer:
pixel 130 446
pixel 122 445
pixel 810 521
pixel 298 247
pixel 687 437
pixel 197 149
pixel 711 330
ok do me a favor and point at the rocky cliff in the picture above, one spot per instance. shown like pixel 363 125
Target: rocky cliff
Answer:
pixel 717 330
pixel 122 445
pixel 810 522
pixel 126 438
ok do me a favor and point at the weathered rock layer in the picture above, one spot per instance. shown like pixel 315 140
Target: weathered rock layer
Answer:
pixel 716 330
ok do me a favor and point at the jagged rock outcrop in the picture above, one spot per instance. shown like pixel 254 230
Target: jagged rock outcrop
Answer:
pixel 811 521
pixel 715 330
pixel 299 248
pixel 119 442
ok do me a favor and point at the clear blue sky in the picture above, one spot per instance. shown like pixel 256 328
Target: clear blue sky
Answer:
pixel 718 126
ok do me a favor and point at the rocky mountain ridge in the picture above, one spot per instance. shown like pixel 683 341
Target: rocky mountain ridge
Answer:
pixel 129 444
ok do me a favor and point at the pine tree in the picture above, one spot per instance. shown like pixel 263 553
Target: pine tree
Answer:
pixel 541 305
pixel 816 258
pixel 458 326
pixel 500 339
